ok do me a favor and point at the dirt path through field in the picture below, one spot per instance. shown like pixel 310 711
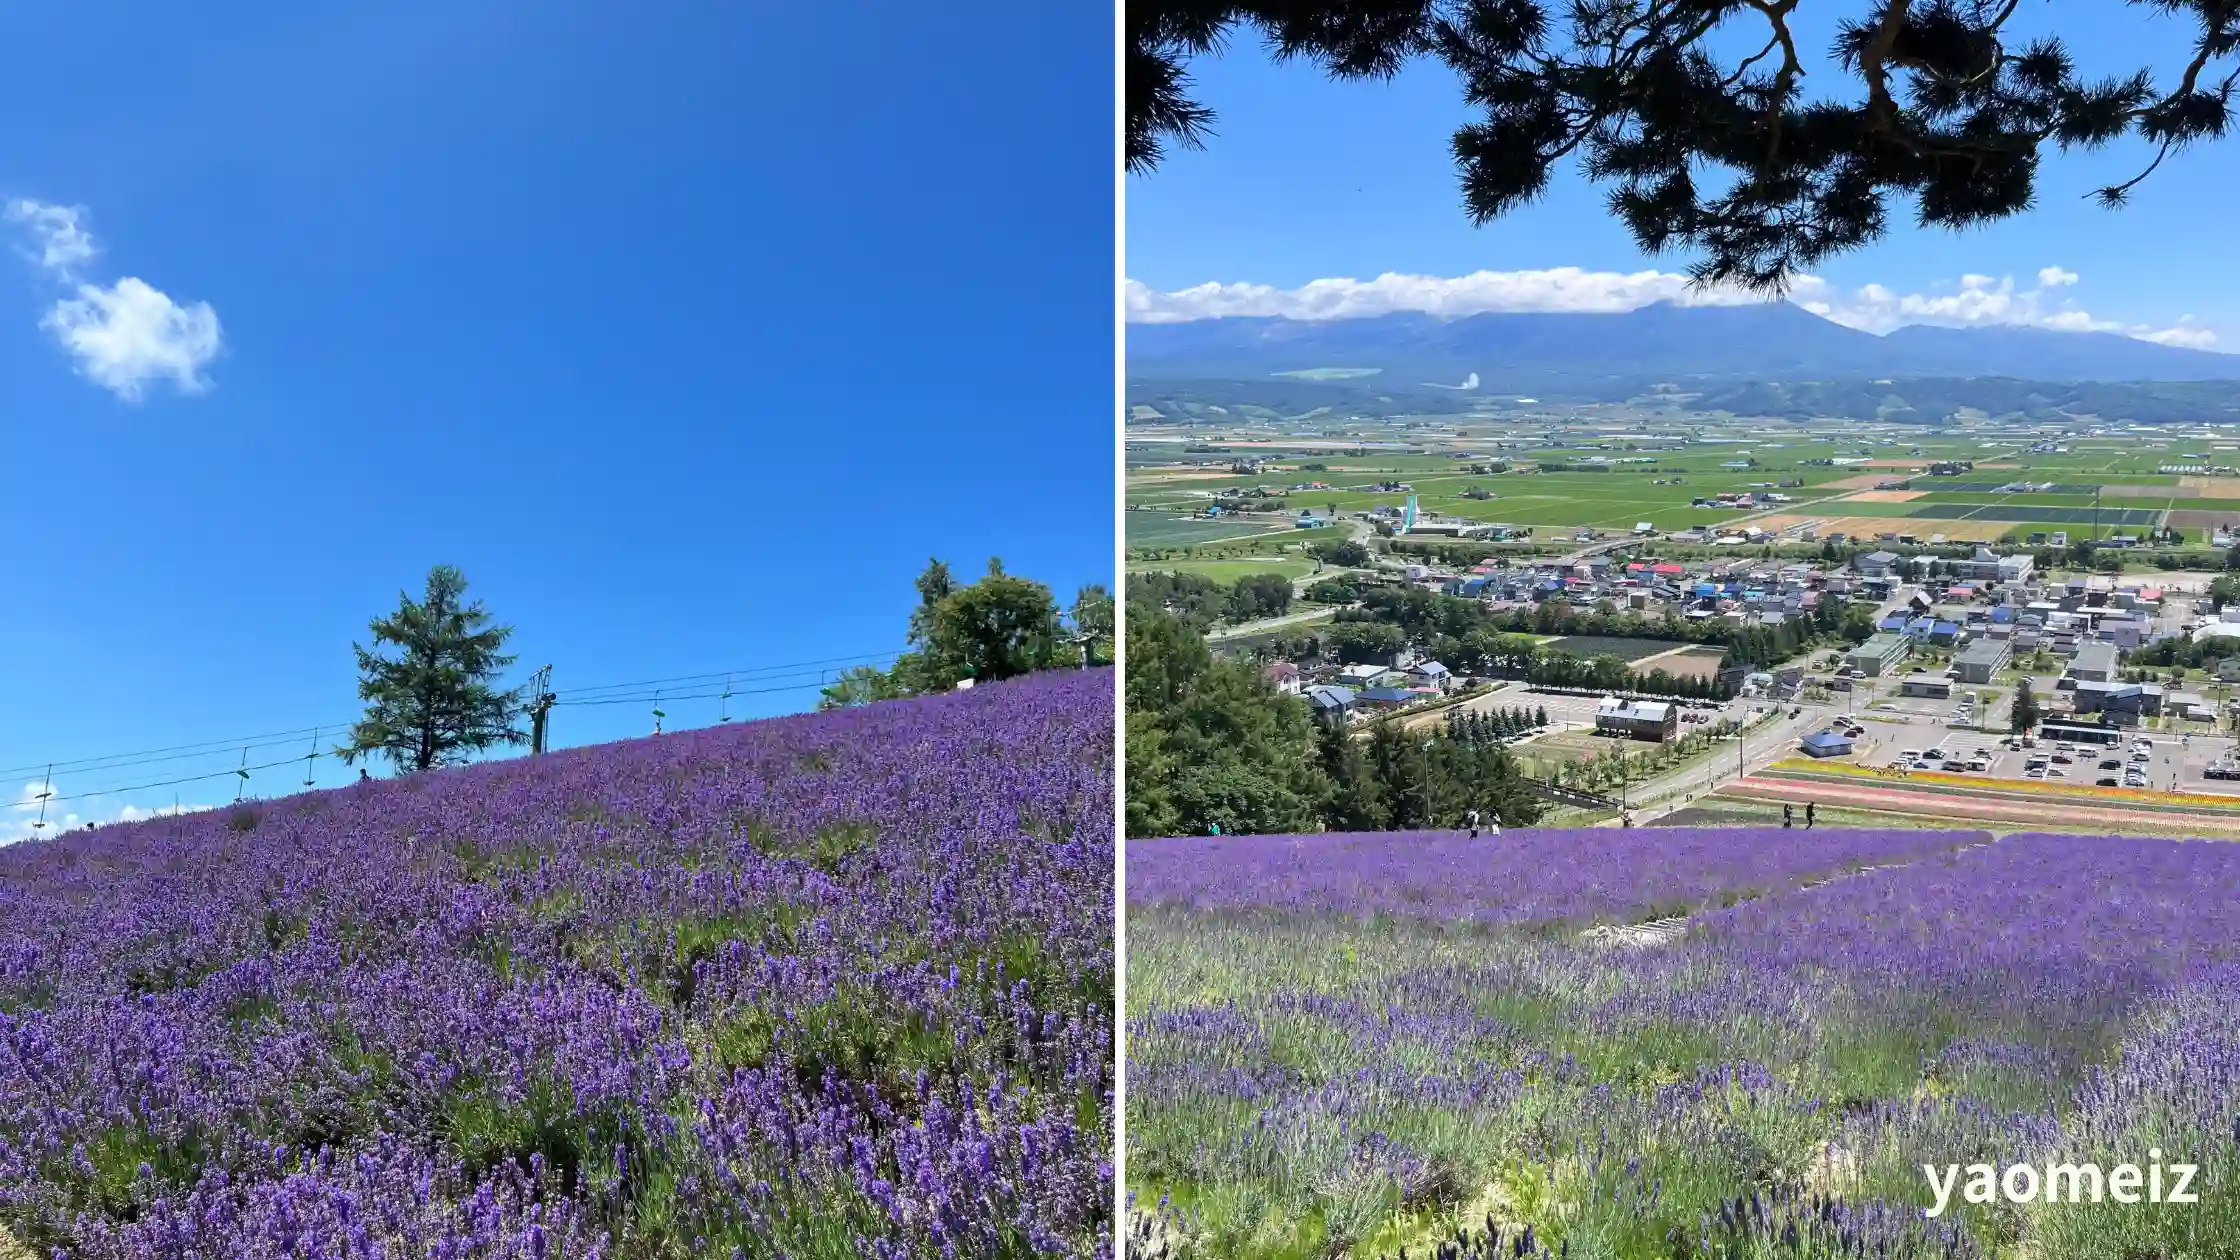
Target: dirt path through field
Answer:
pixel 1658 932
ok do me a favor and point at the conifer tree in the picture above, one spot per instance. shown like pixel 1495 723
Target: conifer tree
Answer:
pixel 434 702
pixel 1707 122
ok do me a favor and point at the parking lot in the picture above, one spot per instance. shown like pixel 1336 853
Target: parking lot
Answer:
pixel 1577 712
pixel 2170 763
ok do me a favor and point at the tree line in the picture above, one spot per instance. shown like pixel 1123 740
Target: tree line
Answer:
pixel 999 627
pixel 1213 743
pixel 1201 601
pixel 1466 635
pixel 430 674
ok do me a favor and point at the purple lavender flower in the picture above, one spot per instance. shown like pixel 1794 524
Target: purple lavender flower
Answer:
pixel 830 981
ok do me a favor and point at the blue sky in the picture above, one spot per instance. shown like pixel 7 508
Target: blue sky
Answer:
pixel 674 332
pixel 1309 179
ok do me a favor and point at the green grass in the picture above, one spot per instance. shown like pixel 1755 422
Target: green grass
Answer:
pixel 1260 1181
pixel 1569 1094
pixel 1226 572
pixel 1149 529
pixel 1592 645
pixel 1617 498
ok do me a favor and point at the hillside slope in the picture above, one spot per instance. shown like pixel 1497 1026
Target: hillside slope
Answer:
pixel 831 984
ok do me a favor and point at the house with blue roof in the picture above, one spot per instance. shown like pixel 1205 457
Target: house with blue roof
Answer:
pixel 1431 674
pixel 1332 703
pixel 1827 744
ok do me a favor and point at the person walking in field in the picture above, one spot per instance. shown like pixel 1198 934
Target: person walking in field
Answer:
pixel 1788 815
pixel 1810 808
pixel 1493 826
pixel 1471 819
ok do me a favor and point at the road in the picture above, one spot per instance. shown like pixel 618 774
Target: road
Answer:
pixel 1761 747
pixel 1264 625
pixel 1508 695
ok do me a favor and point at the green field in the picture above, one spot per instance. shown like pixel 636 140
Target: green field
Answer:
pixel 1590 645
pixel 1433 455
pixel 1147 529
pixel 2034 514
pixel 1226 572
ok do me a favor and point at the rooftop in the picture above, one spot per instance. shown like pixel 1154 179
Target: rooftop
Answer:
pixel 1984 651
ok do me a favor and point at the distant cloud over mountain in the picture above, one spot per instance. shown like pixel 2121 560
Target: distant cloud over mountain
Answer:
pixel 1971 301
pixel 1532 351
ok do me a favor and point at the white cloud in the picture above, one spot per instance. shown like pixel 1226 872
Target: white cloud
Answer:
pixel 1975 300
pixel 22 818
pixel 133 813
pixel 2184 333
pixel 61 241
pixel 130 334
pixel 124 336
pixel 1555 289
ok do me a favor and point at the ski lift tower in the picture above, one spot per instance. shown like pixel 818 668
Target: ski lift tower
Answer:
pixel 540 704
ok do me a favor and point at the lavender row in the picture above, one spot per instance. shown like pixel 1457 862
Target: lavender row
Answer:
pixel 831 982
pixel 1519 877
pixel 1772 1080
pixel 2072 929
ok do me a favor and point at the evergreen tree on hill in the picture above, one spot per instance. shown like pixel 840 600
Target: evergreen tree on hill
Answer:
pixel 1211 741
pixel 433 703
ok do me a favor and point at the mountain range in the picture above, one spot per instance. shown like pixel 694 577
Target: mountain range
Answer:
pixel 1775 341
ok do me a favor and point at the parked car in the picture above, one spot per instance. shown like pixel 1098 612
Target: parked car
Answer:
pixel 2106 782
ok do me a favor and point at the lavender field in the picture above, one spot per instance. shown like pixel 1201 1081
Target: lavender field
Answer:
pixel 1317 1074
pixel 1526 878
pixel 827 986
